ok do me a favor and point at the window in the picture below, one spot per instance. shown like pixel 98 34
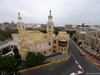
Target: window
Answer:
pixel 62 49
pixel 54 51
pixel 49 27
pixel 54 41
pixel 49 50
pixel 42 45
pixel 44 52
pixel 49 34
pixel 37 45
pixel 54 46
pixel 46 43
pixel 49 43
pixel 62 43
pixel 23 26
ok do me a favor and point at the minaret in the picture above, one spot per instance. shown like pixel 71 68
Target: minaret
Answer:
pixel 21 26
pixel 50 29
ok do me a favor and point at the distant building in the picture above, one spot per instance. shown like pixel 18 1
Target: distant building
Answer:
pixel 12 23
pixel 93 38
pixel 80 35
pixel 97 26
pixel 43 27
pixel 38 42
pixel 68 27
pixel 3 27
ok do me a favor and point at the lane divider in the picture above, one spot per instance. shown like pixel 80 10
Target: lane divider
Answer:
pixel 86 55
pixel 43 65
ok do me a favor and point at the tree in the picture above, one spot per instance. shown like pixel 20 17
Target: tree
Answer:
pixel 17 56
pixel 30 59
pixel 5 50
pixel 40 58
pixel 71 32
pixel 75 39
pixel 56 30
pixel 7 63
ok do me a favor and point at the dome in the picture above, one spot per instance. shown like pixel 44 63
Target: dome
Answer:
pixel 35 28
pixel 25 48
pixel 34 35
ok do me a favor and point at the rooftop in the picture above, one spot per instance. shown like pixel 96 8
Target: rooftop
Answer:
pixel 34 35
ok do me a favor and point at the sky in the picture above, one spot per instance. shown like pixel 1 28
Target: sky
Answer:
pixel 63 11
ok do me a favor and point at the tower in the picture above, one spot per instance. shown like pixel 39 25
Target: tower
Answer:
pixel 21 26
pixel 50 29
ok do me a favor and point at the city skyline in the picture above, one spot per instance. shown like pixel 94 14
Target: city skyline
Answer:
pixel 63 11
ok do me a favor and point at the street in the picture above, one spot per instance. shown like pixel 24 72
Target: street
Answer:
pixel 67 67
pixel 87 66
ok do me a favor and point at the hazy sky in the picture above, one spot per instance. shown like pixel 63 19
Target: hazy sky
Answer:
pixel 63 11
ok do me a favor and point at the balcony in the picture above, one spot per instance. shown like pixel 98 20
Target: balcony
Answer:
pixel 62 43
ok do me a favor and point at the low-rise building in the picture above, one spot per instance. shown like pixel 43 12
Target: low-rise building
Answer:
pixel 93 39
pixel 68 27
pixel 80 35
pixel 43 27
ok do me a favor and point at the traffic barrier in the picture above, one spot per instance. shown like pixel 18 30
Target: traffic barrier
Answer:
pixel 78 72
pixel 86 55
pixel 42 65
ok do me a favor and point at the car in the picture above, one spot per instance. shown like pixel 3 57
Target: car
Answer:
pixel 81 53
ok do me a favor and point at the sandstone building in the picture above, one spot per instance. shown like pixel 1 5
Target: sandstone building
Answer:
pixel 38 42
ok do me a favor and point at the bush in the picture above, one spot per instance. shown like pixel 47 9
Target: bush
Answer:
pixel 17 56
pixel 32 60
pixel 75 39
pixel 7 63
pixel 40 58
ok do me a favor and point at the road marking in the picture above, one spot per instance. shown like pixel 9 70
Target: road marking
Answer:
pixel 93 73
pixel 93 64
pixel 79 72
pixel 51 69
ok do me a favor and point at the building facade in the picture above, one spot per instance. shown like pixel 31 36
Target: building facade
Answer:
pixel 43 27
pixel 93 39
pixel 80 35
pixel 68 27
pixel 38 42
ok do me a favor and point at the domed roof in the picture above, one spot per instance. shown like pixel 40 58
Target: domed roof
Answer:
pixel 34 35
pixel 25 48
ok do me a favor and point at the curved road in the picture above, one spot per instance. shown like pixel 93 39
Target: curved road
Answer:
pixel 88 67
pixel 68 66
pixel 62 68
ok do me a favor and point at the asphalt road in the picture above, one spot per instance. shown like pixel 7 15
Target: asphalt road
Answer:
pixel 68 66
pixel 89 68
pixel 62 68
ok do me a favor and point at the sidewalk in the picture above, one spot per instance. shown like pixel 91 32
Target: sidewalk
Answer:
pixel 56 58
pixel 88 48
pixel 97 61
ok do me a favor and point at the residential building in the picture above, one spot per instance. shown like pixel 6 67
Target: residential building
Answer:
pixel 80 35
pixel 43 27
pixel 93 39
pixel 68 27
